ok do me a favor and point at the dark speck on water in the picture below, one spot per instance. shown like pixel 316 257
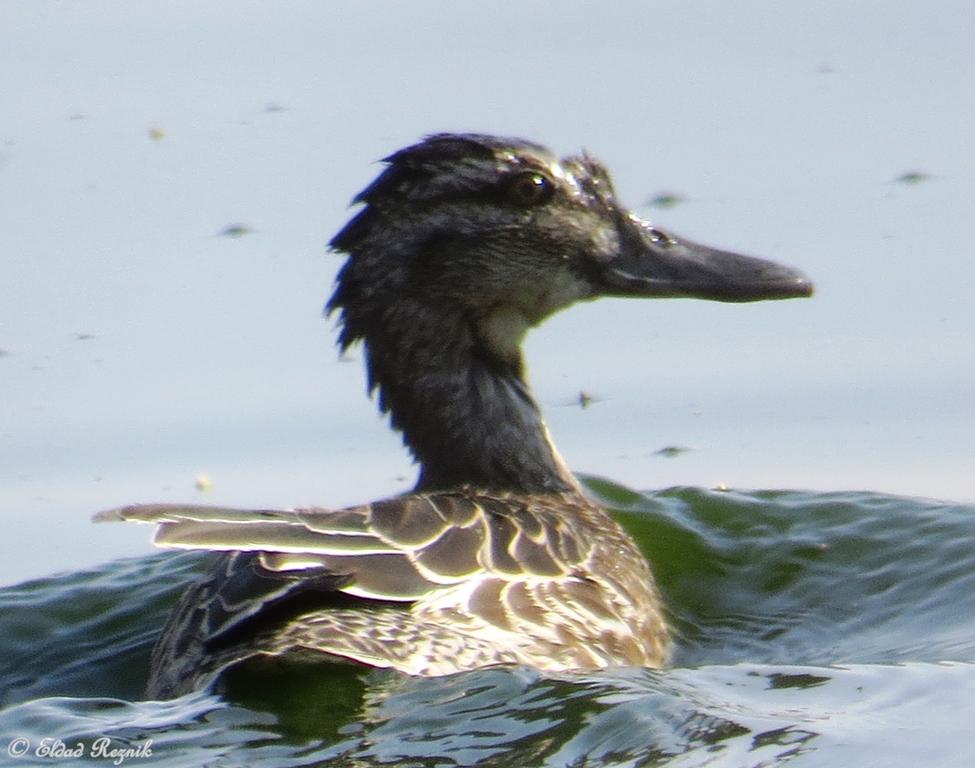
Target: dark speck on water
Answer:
pixel 672 451
pixel 235 230
pixel 665 200
pixel 814 629
pixel 913 177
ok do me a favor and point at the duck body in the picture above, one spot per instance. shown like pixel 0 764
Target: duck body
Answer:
pixel 428 584
pixel 462 244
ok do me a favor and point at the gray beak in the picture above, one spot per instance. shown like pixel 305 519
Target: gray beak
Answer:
pixel 655 264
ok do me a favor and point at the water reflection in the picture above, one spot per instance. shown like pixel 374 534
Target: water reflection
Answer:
pixel 513 716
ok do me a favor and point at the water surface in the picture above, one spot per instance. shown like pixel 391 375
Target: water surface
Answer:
pixel 811 629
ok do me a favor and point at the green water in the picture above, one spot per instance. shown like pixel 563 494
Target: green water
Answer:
pixel 811 629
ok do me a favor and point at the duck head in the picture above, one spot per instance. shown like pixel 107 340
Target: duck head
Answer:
pixel 505 233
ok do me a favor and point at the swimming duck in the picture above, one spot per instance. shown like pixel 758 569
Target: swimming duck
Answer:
pixel 461 244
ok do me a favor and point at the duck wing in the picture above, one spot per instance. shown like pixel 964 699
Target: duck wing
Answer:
pixel 399 549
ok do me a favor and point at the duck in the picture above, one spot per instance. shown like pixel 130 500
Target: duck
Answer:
pixel 461 245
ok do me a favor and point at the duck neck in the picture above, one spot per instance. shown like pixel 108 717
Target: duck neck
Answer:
pixel 465 410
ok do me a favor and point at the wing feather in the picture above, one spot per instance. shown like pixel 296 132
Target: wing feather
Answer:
pixel 483 559
pixel 397 549
pixel 252 536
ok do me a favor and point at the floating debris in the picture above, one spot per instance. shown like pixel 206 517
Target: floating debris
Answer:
pixel 84 336
pixel 672 451
pixel 202 483
pixel 913 177
pixel 665 200
pixel 77 116
pixel 273 107
pixel 582 400
pixel 156 134
pixel 235 230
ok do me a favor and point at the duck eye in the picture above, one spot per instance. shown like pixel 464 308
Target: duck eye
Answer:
pixel 530 188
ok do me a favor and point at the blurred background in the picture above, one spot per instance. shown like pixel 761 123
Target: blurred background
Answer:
pixel 170 174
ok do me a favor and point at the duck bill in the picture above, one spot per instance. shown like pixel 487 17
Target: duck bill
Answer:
pixel 652 263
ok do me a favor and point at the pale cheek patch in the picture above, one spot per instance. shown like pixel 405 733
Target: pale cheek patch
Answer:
pixel 503 331
pixel 563 290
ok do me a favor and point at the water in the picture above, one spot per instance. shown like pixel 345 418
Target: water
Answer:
pixel 812 629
